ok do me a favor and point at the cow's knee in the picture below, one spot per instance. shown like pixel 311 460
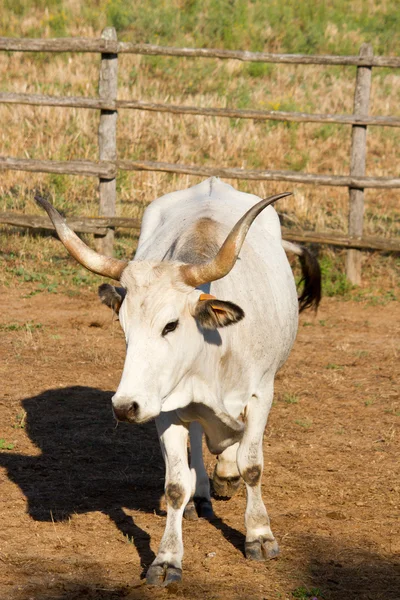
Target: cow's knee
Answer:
pixel 175 495
pixel 252 474
pixel 178 489
pixel 250 464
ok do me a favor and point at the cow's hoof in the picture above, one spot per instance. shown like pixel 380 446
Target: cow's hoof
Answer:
pixel 163 575
pixel 225 487
pixel 204 508
pixel 198 507
pixel 261 549
pixel 190 512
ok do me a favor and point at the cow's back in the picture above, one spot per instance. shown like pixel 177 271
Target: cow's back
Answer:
pixel 261 281
pixel 170 216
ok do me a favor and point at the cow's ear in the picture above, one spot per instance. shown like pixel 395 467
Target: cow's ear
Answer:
pixel 112 296
pixel 217 313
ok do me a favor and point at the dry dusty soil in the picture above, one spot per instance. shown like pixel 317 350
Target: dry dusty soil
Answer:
pixel 81 506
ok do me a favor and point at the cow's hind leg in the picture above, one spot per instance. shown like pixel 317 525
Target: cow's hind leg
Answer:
pixel 199 504
pixel 260 542
pixel 226 477
pixel 167 566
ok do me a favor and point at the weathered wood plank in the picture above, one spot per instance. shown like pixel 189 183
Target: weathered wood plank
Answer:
pixel 38 222
pixel 67 167
pixel 96 225
pixel 111 46
pixel 235 173
pixel 341 241
pixel 99 225
pixel 358 165
pixel 90 222
pixel 56 101
pixel 108 170
pixel 108 90
pixel 58 45
pixel 258 115
pixel 245 56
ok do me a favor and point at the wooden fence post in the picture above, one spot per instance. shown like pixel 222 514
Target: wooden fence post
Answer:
pixel 108 90
pixel 357 164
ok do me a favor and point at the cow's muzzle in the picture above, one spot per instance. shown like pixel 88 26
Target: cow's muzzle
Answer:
pixel 127 410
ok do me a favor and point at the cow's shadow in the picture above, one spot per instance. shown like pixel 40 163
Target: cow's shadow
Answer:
pixel 87 463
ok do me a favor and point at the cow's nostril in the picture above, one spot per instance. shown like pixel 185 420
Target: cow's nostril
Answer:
pixel 133 410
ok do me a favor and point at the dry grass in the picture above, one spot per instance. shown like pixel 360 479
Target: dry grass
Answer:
pixel 65 134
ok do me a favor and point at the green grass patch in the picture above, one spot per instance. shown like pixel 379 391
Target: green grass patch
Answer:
pixel 324 132
pixel 5 445
pixel 302 593
pixel 27 276
pixel 372 298
pixel 334 280
pixel 334 367
pixel 297 160
pixel 361 353
pixel 305 423
pixel 289 398
pixel 258 70
pixel 20 421
pixel 393 411
pixel 30 326
pixel 304 27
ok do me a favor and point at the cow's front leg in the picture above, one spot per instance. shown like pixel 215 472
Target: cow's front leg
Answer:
pixel 260 542
pixel 167 566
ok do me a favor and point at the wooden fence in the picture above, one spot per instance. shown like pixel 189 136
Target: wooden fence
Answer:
pixel 107 166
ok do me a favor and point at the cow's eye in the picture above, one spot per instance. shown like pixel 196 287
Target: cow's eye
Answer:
pixel 170 327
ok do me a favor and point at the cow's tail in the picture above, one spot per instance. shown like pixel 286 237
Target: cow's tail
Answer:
pixel 311 276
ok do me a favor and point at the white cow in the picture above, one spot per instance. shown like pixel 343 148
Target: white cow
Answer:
pixel 184 366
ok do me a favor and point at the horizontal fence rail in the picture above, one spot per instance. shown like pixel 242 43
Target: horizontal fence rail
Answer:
pixel 114 47
pixel 107 168
pixel 99 225
pixel 87 168
pixel 96 225
pixel 289 176
pixel 257 115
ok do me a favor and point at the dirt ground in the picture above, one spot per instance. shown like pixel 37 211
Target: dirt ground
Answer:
pixel 80 499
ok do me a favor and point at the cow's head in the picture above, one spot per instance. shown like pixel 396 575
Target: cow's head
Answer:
pixel 163 319
pixel 162 311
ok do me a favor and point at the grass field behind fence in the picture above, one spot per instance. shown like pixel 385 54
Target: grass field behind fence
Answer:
pixel 335 27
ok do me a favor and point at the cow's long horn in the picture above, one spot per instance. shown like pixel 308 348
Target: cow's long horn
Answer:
pixel 98 263
pixel 195 275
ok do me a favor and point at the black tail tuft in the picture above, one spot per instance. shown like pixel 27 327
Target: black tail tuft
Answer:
pixel 311 294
